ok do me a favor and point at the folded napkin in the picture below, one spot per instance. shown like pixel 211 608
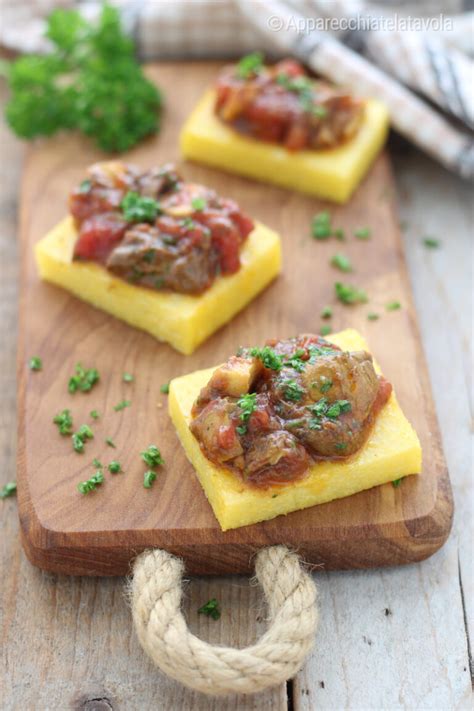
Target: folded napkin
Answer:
pixel 413 56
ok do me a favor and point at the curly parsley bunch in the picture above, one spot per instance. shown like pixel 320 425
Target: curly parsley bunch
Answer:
pixel 90 81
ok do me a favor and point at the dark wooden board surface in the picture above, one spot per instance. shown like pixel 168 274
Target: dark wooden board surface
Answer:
pixel 99 534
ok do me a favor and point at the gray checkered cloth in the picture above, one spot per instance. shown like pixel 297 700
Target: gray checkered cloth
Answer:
pixel 416 57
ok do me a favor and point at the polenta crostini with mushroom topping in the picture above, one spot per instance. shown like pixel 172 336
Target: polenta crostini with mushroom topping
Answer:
pixel 171 257
pixel 297 422
pixel 278 124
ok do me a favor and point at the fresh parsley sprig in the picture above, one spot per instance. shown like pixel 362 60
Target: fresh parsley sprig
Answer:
pixel 248 405
pixel 211 609
pixel 90 81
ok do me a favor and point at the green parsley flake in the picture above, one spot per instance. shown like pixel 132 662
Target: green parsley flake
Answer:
pixel 326 385
pixel 35 363
pixel 80 437
pixel 321 226
pixel 83 380
pixel 122 405
pixel 340 446
pixel 349 294
pixel 325 329
pixel 295 361
pixel 91 484
pixel 148 478
pixel 292 391
pixel 152 456
pixel 339 234
pixel 362 233
pixel 8 490
pixel 269 358
pixel 137 208
pixel 340 261
pixel 198 204
pixel 393 306
pixel 110 442
pixel 114 467
pixel 64 422
pixel 431 242
pixel 85 186
pixel 165 388
pixel 211 609
pixel 128 378
pixel 396 483
pixel 323 408
pixel 250 65
pixel 248 404
pixel 326 312
pixel 97 464
pixel 94 414
pixel 372 316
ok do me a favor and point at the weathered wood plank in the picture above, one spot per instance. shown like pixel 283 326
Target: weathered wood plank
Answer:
pixel 396 639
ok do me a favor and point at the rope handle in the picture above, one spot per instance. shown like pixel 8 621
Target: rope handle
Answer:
pixel 156 593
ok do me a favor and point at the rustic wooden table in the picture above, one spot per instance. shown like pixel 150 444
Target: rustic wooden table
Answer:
pixel 388 639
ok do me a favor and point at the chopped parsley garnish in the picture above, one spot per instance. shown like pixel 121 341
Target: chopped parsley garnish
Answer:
pixel 165 388
pixel 8 490
pixel 319 351
pixel 149 256
pixel 431 242
pixel 372 316
pixel 321 226
pixel 138 208
pixel 211 609
pixel 83 380
pixel 295 361
pixel 91 484
pixel 337 408
pixel 393 306
pixel 326 312
pixel 64 422
pixel 97 464
pixel 249 65
pixel 323 408
pixel 362 233
pixel 269 358
pixel 198 204
pixel 303 86
pixel 340 261
pixel 80 437
pixel 325 385
pixel 188 223
pixel 339 234
pixel 128 378
pixel 148 478
pixel 35 363
pixel 292 391
pixel 94 414
pixel 152 456
pixel 114 467
pixel 122 405
pixel 340 446
pixel 248 404
pixel 325 329
pixel 349 294
pixel 110 442
pixel 85 186
pixel 396 483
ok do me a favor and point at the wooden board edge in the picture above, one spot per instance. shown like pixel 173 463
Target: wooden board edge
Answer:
pixel 418 539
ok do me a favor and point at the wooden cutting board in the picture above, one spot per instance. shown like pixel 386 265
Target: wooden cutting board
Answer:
pixel 99 534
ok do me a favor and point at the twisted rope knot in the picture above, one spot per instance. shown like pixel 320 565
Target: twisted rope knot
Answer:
pixel 156 593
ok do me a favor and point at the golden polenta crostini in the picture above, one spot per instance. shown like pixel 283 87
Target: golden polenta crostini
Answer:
pixel 278 125
pixel 296 423
pixel 171 258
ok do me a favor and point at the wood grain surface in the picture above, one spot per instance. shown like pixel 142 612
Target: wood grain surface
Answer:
pixel 67 642
pixel 99 534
